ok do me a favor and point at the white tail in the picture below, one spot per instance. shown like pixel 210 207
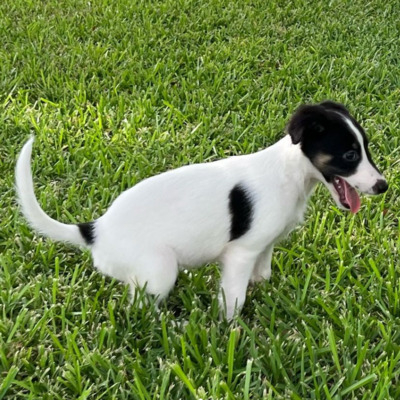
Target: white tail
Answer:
pixel 31 209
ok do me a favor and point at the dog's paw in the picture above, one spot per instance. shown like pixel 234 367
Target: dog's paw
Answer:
pixel 260 276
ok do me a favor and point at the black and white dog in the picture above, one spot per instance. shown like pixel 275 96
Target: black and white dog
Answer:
pixel 232 210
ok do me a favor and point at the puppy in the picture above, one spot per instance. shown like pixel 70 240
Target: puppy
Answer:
pixel 231 211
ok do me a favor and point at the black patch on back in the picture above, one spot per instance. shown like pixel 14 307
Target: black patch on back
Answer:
pixel 241 210
pixel 87 231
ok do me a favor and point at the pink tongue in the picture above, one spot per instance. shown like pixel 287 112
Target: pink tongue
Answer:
pixel 352 197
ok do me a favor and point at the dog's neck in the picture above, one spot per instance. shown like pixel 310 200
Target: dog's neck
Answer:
pixel 296 166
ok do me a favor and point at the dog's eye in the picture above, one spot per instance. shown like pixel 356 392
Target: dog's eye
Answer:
pixel 351 156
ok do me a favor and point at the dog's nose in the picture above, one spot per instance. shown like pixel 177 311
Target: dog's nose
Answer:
pixel 380 186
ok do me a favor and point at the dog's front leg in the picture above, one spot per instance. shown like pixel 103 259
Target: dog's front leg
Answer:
pixel 262 269
pixel 238 264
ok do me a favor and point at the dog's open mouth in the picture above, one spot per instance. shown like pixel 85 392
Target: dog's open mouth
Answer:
pixel 348 196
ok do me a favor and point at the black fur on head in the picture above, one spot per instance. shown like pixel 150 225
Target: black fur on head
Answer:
pixel 308 120
pixel 325 137
pixel 313 119
pixel 336 145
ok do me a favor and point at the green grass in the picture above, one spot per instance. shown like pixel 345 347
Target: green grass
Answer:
pixel 116 91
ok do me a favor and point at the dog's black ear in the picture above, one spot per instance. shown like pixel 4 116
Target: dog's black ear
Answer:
pixel 307 120
pixel 331 105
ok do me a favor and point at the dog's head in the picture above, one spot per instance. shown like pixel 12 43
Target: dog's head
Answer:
pixel 337 147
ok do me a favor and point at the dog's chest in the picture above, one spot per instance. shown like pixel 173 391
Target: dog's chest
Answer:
pixel 276 224
pixel 296 216
pixel 295 210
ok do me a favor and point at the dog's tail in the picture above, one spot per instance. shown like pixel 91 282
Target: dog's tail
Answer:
pixel 32 211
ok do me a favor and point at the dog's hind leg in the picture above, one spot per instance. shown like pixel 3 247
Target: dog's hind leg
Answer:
pixel 157 271
pixel 238 264
pixel 262 269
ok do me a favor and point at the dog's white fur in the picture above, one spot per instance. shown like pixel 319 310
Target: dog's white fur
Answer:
pixel 181 218
pixel 365 173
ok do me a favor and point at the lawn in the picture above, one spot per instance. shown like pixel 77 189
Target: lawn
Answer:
pixel 117 91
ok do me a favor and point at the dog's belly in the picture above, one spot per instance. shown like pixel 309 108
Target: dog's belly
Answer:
pixel 196 235
pixel 197 252
pixel 119 255
pixel 184 213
